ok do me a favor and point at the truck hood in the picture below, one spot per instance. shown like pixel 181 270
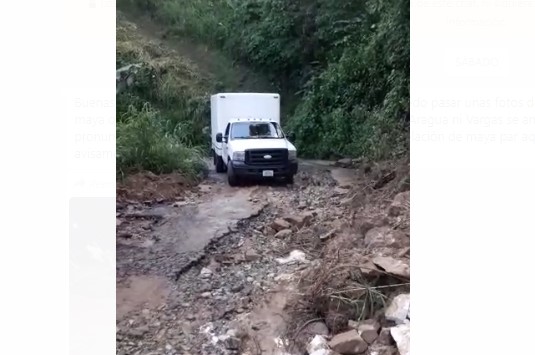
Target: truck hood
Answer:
pixel 240 145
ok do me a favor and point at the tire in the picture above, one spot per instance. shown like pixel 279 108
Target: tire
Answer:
pixel 290 179
pixel 231 176
pixel 219 165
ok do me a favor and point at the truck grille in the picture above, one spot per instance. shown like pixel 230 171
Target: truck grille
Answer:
pixel 258 156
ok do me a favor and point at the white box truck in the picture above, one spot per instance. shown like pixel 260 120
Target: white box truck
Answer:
pixel 247 139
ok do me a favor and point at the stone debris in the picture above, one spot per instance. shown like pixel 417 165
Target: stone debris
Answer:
pixel 385 338
pixel 369 330
pixel 328 235
pixel 378 349
pixel 283 233
pixel 206 272
pixel 251 255
pixel 368 269
pixel 297 221
pixel 315 328
pixel 204 188
pixel 232 343
pixel 317 343
pixel 296 256
pixel 400 204
pixel 268 231
pixel 352 324
pixel 393 266
pixel 280 224
pixel 398 310
pixel 402 337
pixel 385 237
pixel 323 352
pixel 348 343
pixel 249 267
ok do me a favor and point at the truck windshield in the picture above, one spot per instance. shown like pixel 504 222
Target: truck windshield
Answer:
pixel 255 130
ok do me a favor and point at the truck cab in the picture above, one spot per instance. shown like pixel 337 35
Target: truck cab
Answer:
pixel 247 140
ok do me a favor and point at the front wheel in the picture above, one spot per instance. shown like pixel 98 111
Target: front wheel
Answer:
pixel 290 179
pixel 231 175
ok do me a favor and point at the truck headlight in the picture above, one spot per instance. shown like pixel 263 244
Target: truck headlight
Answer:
pixel 292 155
pixel 238 156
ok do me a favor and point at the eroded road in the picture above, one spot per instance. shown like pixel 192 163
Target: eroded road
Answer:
pixel 211 272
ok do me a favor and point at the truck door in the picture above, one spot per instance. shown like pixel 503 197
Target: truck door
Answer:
pixel 226 138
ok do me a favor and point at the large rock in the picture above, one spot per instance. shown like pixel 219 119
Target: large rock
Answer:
pixel 378 349
pixel 369 330
pixel 232 343
pixel 316 328
pixel 398 310
pixel 352 324
pixel 206 272
pixel 393 266
pixel 251 255
pixel 400 204
pixel 280 224
pixel 369 270
pixel 385 237
pixel 402 337
pixel 268 231
pixel 385 338
pixel 329 234
pixel 296 256
pixel 297 221
pixel 300 220
pixel 283 233
pixel 348 343
pixel 317 343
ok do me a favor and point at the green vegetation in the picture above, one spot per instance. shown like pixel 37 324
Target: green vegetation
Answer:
pixel 342 66
pixel 143 143
pixel 161 114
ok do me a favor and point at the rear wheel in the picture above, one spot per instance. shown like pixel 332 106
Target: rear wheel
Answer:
pixel 231 175
pixel 219 165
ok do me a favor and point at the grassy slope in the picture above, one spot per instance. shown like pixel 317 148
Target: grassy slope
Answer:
pixel 161 116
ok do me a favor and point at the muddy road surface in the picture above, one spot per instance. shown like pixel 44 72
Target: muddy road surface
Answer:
pixel 212 271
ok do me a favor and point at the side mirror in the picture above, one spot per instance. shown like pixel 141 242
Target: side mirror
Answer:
pixel 219 137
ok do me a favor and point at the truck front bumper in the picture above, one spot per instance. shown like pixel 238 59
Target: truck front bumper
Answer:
pixel 245 170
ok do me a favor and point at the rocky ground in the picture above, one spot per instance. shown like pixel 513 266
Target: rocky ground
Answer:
pixel 319 267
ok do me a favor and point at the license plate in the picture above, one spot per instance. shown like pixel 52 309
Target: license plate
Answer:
pixel 267 173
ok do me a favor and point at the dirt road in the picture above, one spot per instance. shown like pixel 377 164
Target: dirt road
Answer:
pixel 191 270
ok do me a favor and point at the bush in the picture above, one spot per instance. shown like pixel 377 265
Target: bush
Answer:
pixel 144 144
